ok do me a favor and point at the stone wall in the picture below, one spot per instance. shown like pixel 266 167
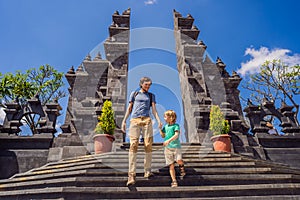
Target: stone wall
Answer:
pixel 20 154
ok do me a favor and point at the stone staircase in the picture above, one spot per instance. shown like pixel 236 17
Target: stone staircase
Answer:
pixel 210 175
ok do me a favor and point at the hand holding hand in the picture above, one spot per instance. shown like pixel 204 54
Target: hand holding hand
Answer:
pixel 159 125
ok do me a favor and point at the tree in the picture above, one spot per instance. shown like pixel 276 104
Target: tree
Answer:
pixel 276 81
pixel 44 83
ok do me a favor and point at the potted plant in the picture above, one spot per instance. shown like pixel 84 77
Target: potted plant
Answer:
pixel 220 128
pixel 104 130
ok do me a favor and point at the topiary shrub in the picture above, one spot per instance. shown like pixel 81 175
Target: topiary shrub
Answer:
pixel 106 124
pixel 218 124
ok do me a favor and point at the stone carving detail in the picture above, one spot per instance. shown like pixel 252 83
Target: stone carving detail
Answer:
pixel 15 113
pixel 284 114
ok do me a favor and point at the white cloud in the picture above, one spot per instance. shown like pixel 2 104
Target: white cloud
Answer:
pixel 2 115
pixel 150 2
pixel 258 57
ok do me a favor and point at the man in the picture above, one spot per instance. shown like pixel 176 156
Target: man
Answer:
pixel 139 108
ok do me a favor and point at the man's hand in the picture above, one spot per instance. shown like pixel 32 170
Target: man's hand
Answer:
pixel 123 128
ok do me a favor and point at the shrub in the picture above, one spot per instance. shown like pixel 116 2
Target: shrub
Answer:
pixel 106 124
pixel 218 124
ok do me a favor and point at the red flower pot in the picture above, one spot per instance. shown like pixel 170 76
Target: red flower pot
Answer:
pixel 103 143
pixel 221 143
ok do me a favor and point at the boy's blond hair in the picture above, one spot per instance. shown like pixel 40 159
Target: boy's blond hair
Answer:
pixel 172 115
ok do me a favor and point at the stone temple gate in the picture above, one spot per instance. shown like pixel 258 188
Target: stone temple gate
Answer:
pixel 203 82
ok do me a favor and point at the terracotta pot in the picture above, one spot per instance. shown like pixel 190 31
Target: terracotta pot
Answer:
pixel 221 143
pixel 103 143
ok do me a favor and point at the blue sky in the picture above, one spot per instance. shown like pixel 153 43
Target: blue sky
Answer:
pixel 61 33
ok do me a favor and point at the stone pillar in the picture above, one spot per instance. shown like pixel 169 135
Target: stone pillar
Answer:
pixel 203 83
pixel 195 97
pixel 95 81
pixel 116 49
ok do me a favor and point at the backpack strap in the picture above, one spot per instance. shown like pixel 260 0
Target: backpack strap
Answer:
pixel 150 96
pixel 135 94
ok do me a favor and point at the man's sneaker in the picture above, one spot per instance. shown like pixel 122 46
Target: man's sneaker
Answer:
pixel 174 184
pixel 148 174
pixel 131 180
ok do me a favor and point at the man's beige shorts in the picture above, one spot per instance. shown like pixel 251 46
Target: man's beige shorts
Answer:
pixel 172 155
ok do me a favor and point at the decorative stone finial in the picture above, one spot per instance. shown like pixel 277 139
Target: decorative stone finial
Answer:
pixel 88 57
pixel 126 12
pixel 220 63
pixel 80 68
pixel 176 13
pixel 98 56
pixel 113 24
pixel 194 27
pixel 249 102
pixel 235 74
pixel 189 16
pixel 201 44
pixel 116 13
pixel 71 70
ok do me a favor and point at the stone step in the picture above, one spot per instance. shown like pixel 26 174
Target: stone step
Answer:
pixel 157 180
pixel 125 155
pixel 184 153
pixel 268 197
pixel 154 192
pixel 195 157
pixel 123 173
pixel 126 146
pixel 276 167
pixel 155 159
pixel 112 159
pixel 141 148
pixel 160 161
pixel 155 167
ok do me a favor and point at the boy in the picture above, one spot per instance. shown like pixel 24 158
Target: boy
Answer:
pixel 170 133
